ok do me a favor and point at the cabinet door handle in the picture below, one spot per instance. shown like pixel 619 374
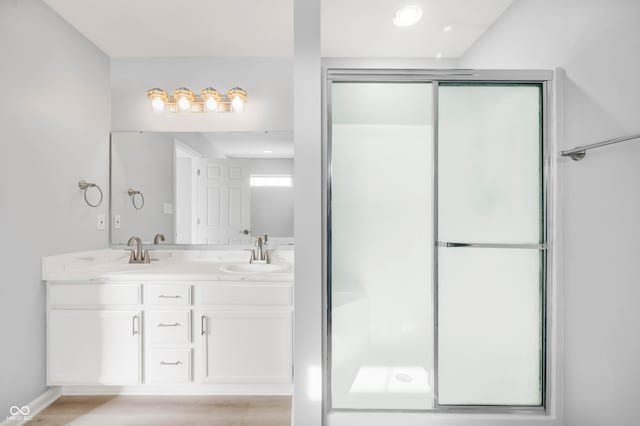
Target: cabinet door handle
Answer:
pixel 163 296
pixel 170 363
pixel 134 325
pixel 203 322
pixel 169 325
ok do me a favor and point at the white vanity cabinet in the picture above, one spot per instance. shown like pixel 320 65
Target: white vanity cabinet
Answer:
pixel 246 347
pixel 245 332
pixel 168 338
pixel 220 336
pixel 93 335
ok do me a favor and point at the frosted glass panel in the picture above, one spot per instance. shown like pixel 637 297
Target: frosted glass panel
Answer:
pixel 381 246
pixel 489 326
pixel 489 154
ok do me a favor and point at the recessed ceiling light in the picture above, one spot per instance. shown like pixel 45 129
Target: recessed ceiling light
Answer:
pixel 407 16
pixel 267 151
pixel 438 55
pixel 447 29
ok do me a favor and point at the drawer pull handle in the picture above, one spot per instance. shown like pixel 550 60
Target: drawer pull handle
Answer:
pixel 169 325
pixel 170 363
pixel 203 321
pixel 162 296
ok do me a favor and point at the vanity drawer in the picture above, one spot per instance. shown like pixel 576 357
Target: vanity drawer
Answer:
pixel 93 294
pixel 169 366
pixel 168 327
pixel 258 294
pixel 167 294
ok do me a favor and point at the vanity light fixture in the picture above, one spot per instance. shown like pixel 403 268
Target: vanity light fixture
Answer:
pixel 209 100
pixel 407 16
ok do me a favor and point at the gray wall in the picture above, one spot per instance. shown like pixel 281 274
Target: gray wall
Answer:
pixel 268 82
pixel 272 207
pixel 55 120
pixel 598 44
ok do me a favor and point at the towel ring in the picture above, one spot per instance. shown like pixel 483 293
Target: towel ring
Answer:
pixel 132 193
pixel 84 186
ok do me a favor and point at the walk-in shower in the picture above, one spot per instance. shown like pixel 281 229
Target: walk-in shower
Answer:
pixel 435 240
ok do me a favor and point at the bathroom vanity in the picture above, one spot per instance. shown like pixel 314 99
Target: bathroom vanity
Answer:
pixel 199 322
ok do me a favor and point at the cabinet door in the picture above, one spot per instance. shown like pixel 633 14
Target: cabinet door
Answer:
pixel 246 347
pixel 94 347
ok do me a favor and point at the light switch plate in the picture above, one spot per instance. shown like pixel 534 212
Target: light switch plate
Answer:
pixel 116 221
pixel 100 225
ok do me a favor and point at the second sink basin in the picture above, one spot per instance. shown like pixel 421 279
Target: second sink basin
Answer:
pixel 244 268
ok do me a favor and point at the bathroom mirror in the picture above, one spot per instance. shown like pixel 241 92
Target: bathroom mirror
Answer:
pixel 202 188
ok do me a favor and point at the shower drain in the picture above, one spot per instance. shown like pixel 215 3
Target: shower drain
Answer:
pixel 404 378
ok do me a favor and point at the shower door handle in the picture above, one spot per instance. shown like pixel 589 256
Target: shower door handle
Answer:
pixel 448 244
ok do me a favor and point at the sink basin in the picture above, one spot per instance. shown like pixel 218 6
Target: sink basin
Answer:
pixel 244 268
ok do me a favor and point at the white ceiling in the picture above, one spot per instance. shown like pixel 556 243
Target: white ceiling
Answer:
pixel 264 28
pixel 364 28
pixel 174 28
pixel 252 144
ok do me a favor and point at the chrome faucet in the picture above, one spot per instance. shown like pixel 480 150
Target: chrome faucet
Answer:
pixel 158 238
pixel 260 254
pixel 137 254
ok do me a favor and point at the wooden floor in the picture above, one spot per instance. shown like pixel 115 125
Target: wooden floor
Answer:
pixel 167 410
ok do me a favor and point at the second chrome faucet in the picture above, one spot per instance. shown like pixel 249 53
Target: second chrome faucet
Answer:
pixel 260 254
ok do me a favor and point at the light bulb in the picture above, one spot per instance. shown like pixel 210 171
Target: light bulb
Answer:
pixel 157 104
pixel 407 16
pixel 184 104
pixel 237 103
pixel 211 104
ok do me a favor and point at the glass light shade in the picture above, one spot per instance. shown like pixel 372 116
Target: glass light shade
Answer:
pixel 237 103
pixel 211 104
pixel 184 104
pixel 157 104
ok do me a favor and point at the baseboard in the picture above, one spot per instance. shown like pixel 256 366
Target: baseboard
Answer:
pixel 185 389
pixel 34 407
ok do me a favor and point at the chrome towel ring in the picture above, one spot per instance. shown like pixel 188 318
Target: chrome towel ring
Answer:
pixel 132 193
pixel 84 186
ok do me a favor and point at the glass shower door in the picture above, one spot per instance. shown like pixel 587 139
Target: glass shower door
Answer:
pixel 491 245
pixel 381 246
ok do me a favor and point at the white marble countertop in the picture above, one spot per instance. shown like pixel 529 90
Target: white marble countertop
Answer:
pixel 166 265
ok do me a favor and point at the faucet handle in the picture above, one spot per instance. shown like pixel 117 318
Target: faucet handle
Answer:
pixel 145 256
pixel 252 254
